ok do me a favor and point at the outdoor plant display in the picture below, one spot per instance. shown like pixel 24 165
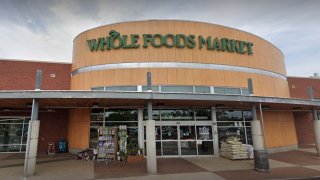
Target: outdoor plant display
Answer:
pixel 123 156
pixel 134 153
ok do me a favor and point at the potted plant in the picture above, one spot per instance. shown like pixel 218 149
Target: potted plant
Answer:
pixel 134 153
pixel 123 156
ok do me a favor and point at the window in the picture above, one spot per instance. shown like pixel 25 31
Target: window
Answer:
pixel 177 89
pixel 98 89
pixel 154 88
pixel 122 88
pixel 13 134
pixel 202 89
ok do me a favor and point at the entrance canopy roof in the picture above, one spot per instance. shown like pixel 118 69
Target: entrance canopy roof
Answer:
pixel 87 99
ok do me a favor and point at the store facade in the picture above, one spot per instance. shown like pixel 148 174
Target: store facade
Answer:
pixel 183 57
pixel 205 80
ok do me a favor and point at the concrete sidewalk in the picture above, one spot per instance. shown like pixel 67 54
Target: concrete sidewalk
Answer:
pixel 302 164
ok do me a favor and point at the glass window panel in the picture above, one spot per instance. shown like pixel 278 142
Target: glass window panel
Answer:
pixel 203 115
pixel 122 88
pixel 170 147
pixel 158 148
pixel 97 111
pixel 132 133
pixel 187 133
pixel 121 115
pixel 232 91
pixel 205 147
pixel 249 135
pixel 247 115
pixel 128 124
pixel 10 148
pixel 229 115
pixel 97 88
pixel 25 133
pixel 93 137
pixel 202 89
pixel 177 89
pixel 204 132
pixel 97 117
pixel 155 115
pixel 12 120
pixel 219 90
pixel 177 115
pixel 245 91
pixel 154 88
pixel 188 148
pixel 169 133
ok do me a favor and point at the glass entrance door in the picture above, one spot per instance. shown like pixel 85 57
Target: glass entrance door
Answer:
pixel 184 139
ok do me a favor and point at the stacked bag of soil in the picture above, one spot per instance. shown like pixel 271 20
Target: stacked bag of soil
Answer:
pixel 232 148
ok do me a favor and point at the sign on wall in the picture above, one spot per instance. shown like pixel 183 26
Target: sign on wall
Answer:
pixel 116 41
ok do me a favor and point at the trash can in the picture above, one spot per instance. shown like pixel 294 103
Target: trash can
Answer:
pixel 261 161
pixel 62 145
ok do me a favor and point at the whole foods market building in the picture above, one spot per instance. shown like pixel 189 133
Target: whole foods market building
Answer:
pixel 208 82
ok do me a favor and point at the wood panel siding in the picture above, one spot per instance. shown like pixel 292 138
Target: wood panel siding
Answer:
pixel 265 57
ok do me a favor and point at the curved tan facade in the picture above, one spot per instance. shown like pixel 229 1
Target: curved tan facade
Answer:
pixel 180 66
pixel 265 57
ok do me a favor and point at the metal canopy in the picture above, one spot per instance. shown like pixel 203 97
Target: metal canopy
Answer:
pixel 86 98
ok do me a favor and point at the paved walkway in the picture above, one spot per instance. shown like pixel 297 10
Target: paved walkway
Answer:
pixel 301 164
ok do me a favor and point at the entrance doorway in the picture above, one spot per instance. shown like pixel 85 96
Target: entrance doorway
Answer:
pixel 176 139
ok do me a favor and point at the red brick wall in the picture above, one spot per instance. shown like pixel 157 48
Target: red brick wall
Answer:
pixel 303 120
pixel 53 126
pixel 304 128
pixel 298 87
pixel 20 75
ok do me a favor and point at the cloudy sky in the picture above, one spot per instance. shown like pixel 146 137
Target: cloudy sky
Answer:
pixel 44 29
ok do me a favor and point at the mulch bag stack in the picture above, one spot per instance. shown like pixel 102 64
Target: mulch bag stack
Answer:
pixel 232 148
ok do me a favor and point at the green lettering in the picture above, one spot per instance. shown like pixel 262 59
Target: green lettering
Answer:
pixel 165 40
pixel 108 42
pixel 146 39
pixel 225 44
pixel 93 45
pixel 153 40
pixel 241 47
pixel 234 47
pixel 134 40
pixel 191 42
pixel 202 42
pixel 178 37
pixel 216 44
pixel 249 48
pixel 120 42
pixel 125 45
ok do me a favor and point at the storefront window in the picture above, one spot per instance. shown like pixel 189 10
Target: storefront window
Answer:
pixel 155 115
pixel 188 148
pixel 204 132
pixel 187 133
pixel 203 115
pixel 234 123
pixel 13 134
pixel 177 115
pixel 202 89
pixel 188 89
pixel 205 147
pixel 169 133
pixel 121 115
pixel 170 148
pixel 114 118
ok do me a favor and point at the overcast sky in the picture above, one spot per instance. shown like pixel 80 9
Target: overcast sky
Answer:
pixel 44 29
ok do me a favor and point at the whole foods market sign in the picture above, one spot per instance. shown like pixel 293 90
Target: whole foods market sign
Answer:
pixel 116 41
